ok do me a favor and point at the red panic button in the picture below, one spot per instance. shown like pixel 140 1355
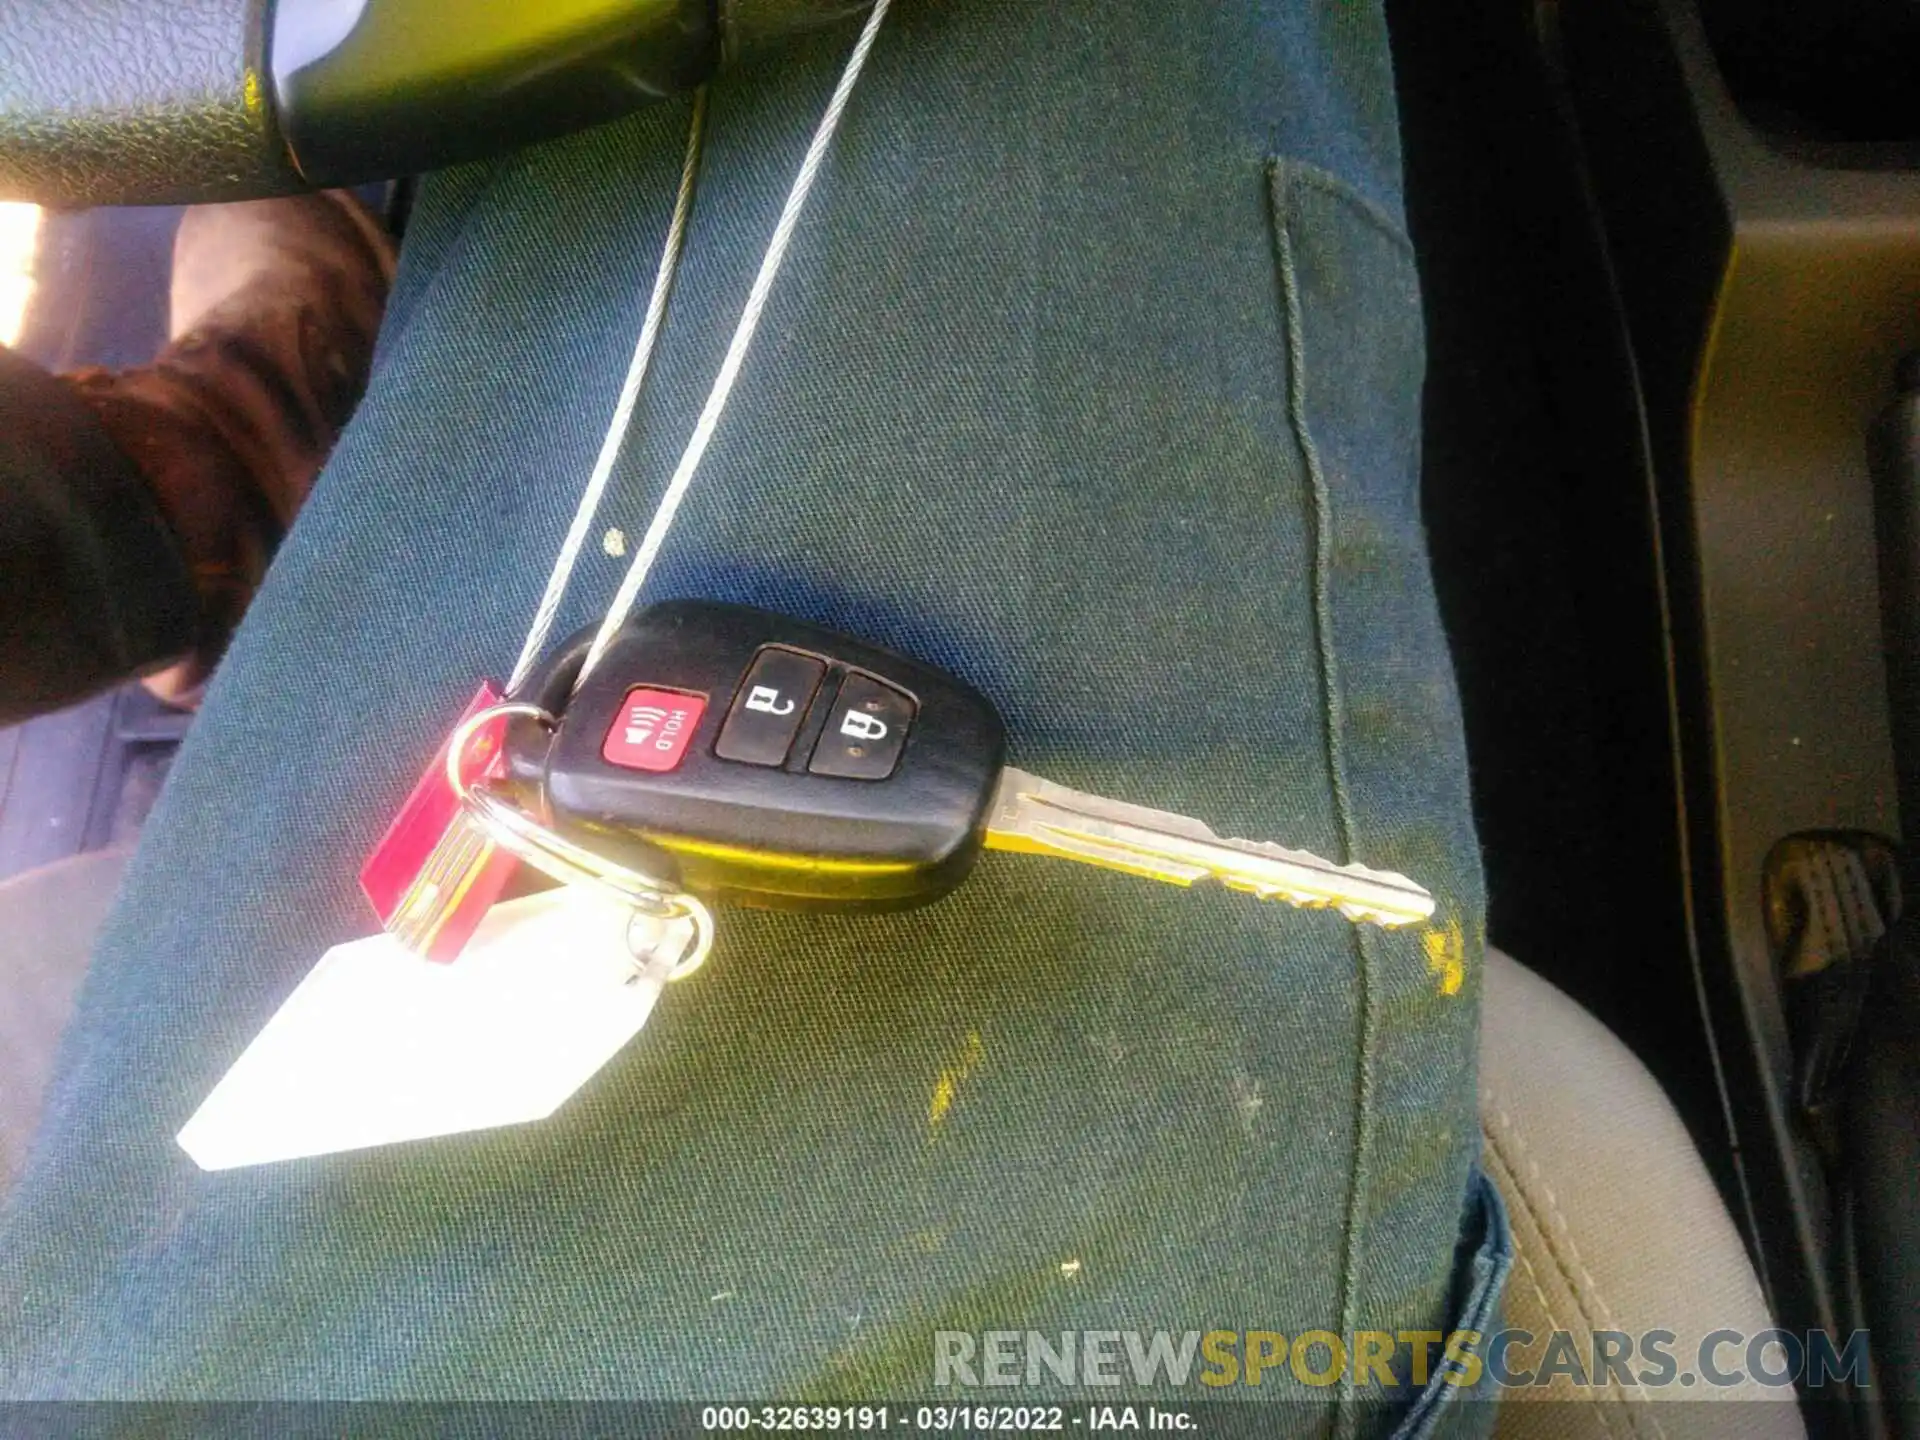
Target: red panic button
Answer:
pixel 652 729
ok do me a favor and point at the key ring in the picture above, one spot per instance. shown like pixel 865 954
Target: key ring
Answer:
pixel 520 835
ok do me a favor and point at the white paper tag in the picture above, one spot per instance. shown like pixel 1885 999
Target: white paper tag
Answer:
pixel 378 1045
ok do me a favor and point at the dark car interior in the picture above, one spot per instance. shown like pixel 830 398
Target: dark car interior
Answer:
pixel 1670 253
pixel 1672 264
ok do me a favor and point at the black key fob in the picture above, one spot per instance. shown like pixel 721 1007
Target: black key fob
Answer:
pixel 751 758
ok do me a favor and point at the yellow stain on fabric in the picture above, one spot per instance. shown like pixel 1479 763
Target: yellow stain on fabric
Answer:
pixel 951 1078
pixel 1447 956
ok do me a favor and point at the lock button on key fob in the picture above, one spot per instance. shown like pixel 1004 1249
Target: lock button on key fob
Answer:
pixel 865 732
pixel 754 758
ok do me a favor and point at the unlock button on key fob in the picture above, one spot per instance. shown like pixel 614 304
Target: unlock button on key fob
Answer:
pixel 768 709
pixel 865 731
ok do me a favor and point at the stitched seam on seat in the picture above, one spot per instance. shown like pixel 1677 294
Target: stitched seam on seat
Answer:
pixel 1597 1406
pixel 1509 1184
pixel 1511 1133
pixel 1600 1410
pixel 1280 176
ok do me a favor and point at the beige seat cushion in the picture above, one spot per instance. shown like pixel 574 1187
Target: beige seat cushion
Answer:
pixel 1617 1226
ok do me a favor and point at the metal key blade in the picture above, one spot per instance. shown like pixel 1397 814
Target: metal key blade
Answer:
pixel 1038 817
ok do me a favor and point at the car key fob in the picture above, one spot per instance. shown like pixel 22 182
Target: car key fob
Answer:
pixel 752 758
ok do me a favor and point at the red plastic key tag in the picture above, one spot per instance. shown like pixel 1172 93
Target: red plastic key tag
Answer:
pixel 435 874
